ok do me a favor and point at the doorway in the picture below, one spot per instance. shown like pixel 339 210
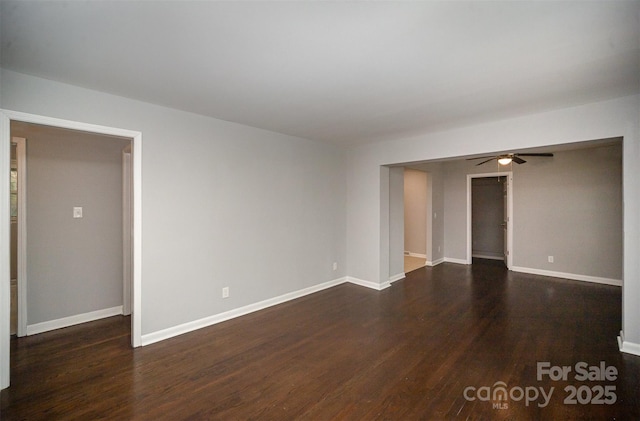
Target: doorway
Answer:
pixel 74 242
pixel 415 219
pixel 136 222
pixel 489 217
pixel 18 318
pixel 13 191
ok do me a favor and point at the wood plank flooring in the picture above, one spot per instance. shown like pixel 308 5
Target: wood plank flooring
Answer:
pixel 405 353
pixel 412 263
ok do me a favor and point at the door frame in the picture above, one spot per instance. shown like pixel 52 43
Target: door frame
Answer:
pixel 509 245
pixel 21 164
pixel 127 257
pixel 6 116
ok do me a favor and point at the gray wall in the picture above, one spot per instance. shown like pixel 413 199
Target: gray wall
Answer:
pixel 568 206
pixel 396 225
pixel 487 211
pixel 222 204
pixel 205 155
pixel 74 266
pixel 604 119
pixel 415 211
pixel 435 222
pixel 455 209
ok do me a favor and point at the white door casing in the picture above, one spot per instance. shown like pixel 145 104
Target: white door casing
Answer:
pixel 126 230
pixel 6 116
pixel 21 159
pixel 509 214
pixel 505 222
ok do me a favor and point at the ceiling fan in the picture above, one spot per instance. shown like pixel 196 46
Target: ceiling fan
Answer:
pixel 506 159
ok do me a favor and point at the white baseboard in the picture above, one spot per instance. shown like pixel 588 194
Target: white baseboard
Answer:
pixel 435 262
pixel 458 261
pixel 73 320
pixel 572 276
pixel 397 277
pixel 369 284
pixel 628 347
pixel 163 334
pixel 410 254
pixel 487 256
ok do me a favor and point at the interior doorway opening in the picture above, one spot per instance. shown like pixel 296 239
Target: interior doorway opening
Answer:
pixel 72 204
pixel 18 236
pixel 489 217
pixel 416 213
pixel 135 139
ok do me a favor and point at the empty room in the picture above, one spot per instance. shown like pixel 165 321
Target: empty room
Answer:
pixel 319 210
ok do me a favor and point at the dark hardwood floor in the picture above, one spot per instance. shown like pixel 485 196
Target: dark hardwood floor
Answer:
pixel 412 351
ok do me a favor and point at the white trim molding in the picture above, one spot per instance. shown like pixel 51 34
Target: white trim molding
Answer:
pixel 21 160
pixel 397 277
pixel 509 245
pixel 411 254
pixel 73 320
pixel 5 261
pixel 6 116
pixel 369 284
pixel 160 335
pixel 572 276
pixel 457 261
pixel 435 262
pixel 163 334
pixel 628 347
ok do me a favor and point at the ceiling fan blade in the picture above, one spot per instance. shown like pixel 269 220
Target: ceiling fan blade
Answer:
pixel 481 157
pixel 534 154
pixel 518 160
pixel 484 162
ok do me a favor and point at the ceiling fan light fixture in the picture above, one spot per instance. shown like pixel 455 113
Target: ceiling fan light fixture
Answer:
pixel 504 160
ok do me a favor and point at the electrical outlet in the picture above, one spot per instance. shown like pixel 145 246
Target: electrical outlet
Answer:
pixel 550 259
pixel 335 265
pixel 77 212
pixel 225 292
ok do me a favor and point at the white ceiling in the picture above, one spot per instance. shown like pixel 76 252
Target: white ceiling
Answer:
pixel 340 72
